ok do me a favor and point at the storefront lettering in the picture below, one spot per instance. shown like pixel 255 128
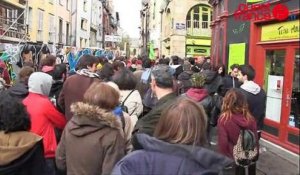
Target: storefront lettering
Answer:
pixel 283 30
pixel 261 12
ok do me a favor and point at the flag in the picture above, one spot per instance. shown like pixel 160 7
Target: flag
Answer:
pixel 151 51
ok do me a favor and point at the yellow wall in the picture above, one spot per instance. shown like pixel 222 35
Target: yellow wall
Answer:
pixel 47 8
pixel 14 3
pixel 55 9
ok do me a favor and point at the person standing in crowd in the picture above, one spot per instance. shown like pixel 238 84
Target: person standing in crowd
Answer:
pixel 106 72
pixel 183 80
pixel 93 140
pixel 20 89
pixel 201 95
pixel 231 80
pixel 176 65
pixel 255 95
pixel 130 97
pixel 143 77
pixel 47 64
pixel 161 85
pixel 43 115
pixel 220 69
pixel 235 117
pixel 21 150
pixel 5 73
pixel 177 145
pixel 199 61
pixel 76 85
pixel 59 76
pixel 2 81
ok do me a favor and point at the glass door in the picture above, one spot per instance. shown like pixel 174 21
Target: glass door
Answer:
pixel 282 86
pixel 293 100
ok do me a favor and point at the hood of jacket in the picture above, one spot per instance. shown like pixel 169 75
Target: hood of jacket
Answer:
pixel 204 157
pixel 90 118
pixel 40 83
pixel 251 87
pixel 241 121
pixel 197 94
pixel 19 89
pixel 14 145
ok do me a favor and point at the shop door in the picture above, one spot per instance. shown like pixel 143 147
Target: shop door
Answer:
pixel 281 83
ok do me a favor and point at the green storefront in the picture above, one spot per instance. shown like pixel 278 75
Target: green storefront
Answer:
pixel 197 47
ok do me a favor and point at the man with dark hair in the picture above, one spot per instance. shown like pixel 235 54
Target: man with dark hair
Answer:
pixel 255 95
pixel 231 80
pixel 76 85
pixel 162 87
pixel 20 89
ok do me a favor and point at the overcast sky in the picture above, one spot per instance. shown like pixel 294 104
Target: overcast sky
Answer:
pixel 129 12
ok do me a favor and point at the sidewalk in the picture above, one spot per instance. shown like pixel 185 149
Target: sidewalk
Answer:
pixel 272 163
pixel 272 160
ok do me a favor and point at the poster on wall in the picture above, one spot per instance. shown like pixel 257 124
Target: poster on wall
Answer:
pixel 274 97
pixel 236 54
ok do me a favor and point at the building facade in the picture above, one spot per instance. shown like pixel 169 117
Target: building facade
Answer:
pixel 185 28
pixel 272 47
pixel 12 21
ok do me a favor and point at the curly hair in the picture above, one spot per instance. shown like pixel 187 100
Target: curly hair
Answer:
pixel 235 102
pixel 13 114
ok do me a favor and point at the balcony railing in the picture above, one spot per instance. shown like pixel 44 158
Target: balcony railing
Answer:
pixel 199 28
pixel 12 30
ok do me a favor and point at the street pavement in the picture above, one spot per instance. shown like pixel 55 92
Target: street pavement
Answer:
pixel 269 162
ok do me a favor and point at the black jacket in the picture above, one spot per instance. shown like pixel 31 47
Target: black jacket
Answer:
pixel 256 98
pixel 19 90
pixel 31 162
pixel 213 82
pixel 228 83
pixel 148 123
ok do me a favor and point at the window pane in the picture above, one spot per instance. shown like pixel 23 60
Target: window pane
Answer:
pixel 204 9
pixel 196 17
pixel 204 17
pixel 294 118
pixel 196 9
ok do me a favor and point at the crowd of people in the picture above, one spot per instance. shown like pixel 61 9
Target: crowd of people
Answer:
pixel 130 116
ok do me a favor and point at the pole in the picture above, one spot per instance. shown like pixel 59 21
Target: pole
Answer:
pixel 146 32
pixel 103 27
pixel 160 44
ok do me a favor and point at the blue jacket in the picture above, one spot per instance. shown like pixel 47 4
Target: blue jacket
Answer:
pixel 160 157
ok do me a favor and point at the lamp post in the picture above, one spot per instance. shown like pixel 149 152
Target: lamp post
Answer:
pixel 103 24
pixel 161 24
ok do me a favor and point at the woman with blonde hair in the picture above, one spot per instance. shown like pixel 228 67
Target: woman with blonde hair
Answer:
pixel 177 145
pixel 235 116
pixel 93 140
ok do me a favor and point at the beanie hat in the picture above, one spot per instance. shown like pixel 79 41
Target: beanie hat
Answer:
pixel 198 80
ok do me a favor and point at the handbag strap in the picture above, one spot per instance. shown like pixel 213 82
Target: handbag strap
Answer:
pixel 123 102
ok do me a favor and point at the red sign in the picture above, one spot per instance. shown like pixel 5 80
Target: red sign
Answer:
pixel 262 11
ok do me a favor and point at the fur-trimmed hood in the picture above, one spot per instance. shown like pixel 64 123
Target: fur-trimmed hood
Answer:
pixel 90 118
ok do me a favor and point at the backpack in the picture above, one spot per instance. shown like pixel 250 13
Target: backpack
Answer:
pixel 245 151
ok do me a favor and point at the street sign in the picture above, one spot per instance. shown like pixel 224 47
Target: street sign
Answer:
pixel 113 38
